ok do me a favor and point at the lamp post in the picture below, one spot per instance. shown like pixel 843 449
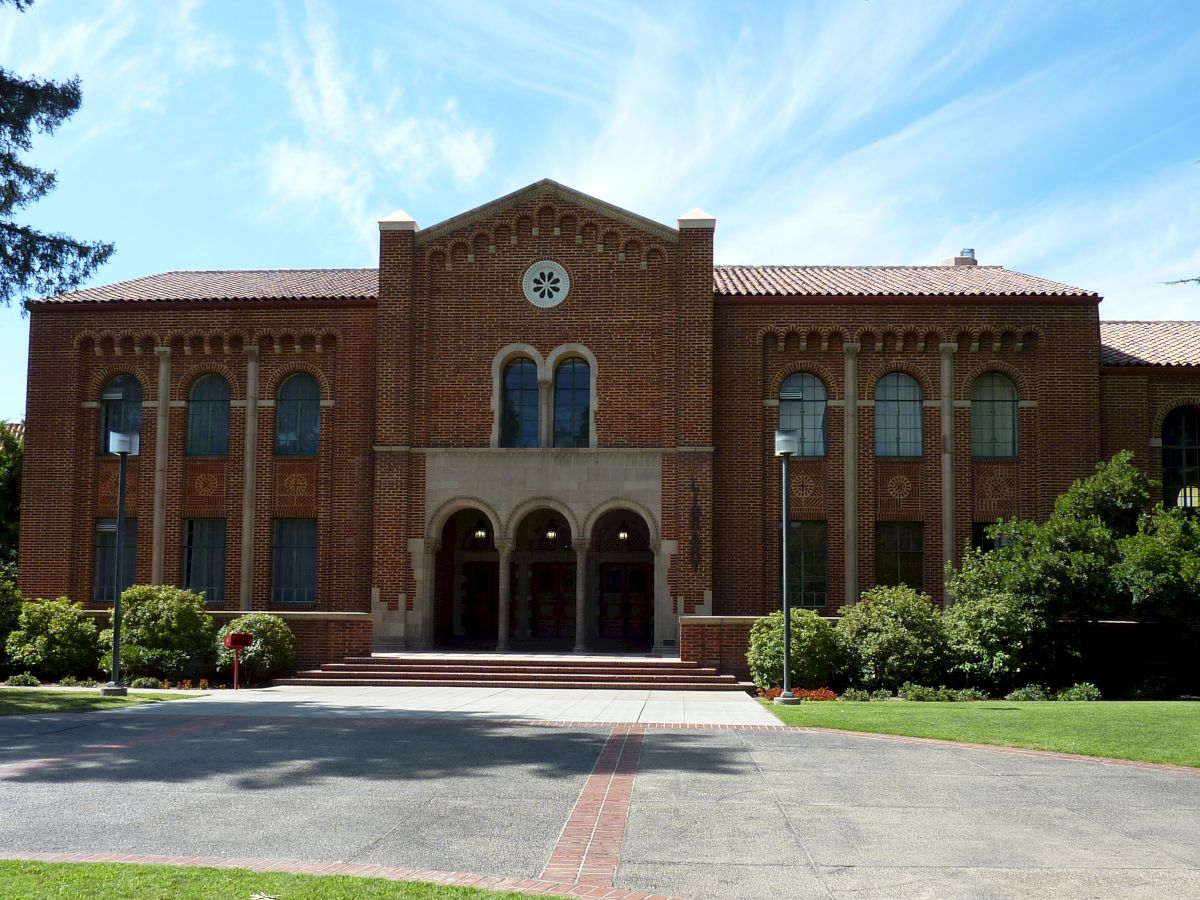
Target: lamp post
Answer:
pixel 123 444
pixel 786 445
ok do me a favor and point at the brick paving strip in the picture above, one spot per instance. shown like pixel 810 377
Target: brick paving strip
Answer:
pixel 536 886
pixel 590 844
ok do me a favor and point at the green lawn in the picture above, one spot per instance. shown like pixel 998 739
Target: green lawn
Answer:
pixel 1161 732
pixel 27 701
pixel 106 881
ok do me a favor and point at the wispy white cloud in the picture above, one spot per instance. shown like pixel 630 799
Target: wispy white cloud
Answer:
pixel 359 128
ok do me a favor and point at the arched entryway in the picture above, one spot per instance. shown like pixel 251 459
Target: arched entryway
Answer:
pixel 467 597
pixel 545 589
pixel 622 570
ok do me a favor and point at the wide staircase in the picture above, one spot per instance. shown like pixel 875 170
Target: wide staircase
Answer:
pixel 518 671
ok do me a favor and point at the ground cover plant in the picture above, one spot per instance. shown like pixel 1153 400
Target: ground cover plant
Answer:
pixel 1143 730
pixel 21 880
pixel 17 702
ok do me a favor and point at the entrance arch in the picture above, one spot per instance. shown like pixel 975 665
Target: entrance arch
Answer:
pixel 546 586
pixel 623 574
pixel 467 595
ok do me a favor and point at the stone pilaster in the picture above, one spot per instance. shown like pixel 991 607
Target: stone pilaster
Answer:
pixel 161 448
pixel 949 543
pixel 581 548
pixel 504 549
pixel 850 434
pixel 248 479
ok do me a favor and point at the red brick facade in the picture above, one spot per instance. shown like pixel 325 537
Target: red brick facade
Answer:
pixel 684 408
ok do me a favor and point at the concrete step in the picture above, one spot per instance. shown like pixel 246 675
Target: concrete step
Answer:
pixel 512 667
pixel 582 677
pixel 504 659
pixel 508 683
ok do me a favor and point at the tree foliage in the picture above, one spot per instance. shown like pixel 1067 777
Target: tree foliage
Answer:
pixel 1160 566
pixel 12 452
pixel 35 263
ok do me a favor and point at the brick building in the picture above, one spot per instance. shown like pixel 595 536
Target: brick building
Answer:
pixel 548 423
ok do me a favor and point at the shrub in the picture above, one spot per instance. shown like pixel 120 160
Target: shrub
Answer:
pixel 143 682
pixel 855 695
pixel 815 658
pixel 72 681
pixel 991 636
pixel 273 650
pixel 921 694
pixel 166 632
pixel 24 679
pixel 892 635
pixel 1082 691
pixel 1029 692
pixel 10 613
pixel 54 638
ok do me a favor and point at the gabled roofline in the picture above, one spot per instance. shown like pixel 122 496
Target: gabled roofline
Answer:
pixel 547 187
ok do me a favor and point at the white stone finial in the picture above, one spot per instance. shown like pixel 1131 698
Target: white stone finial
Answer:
pixel 697 218
pixel 398 221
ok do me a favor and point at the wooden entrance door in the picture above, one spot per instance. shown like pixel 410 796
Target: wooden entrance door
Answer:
pixel 552 588
pixel 480 600
pixel 627 602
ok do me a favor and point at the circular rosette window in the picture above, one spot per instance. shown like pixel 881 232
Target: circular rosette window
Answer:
pixel 546 284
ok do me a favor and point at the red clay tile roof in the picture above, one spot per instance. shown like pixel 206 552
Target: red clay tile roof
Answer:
pixel 261 284
pixel 17 429
pixel 877 281
pixel 1150 343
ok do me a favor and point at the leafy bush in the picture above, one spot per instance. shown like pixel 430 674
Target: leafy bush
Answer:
pixel 143 682
pixel 54 638
pixel 892 635
pixel 1082 691
pixel 72 681
pixel 10 612
pixel 921 694
pixel 1030 692
pixel 991 634
pixel 273 650
pixel 815 658
pixel 166 632
pixel 1160 566
pixel 24 679
pixel 855 695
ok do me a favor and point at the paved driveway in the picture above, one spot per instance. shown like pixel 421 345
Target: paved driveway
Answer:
pixel 741 812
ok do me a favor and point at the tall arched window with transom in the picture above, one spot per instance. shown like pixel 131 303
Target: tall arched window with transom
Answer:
pixel 208 417
pixel 298 416
pixel 993 417
pixel 1181 457
pixel 519 404
pixel 898 403
pixel 802 408
pixel 572 403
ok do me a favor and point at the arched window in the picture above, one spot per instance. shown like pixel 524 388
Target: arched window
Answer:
pixel 120 408
pixel 1181 455
pixel 208 417
pixel 572 403
pixel 993 416
pixel 802 401
pixel 898 416
pixel 519 409
pixel 298 416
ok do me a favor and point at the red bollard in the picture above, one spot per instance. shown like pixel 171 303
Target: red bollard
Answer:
pixel 237 642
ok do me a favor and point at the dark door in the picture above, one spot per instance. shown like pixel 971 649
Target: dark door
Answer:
pixel 627 602
pixel 553 600
pixel 480 600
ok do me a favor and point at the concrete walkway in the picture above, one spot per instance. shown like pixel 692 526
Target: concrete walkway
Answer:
pixel 461 787
pixel 495 704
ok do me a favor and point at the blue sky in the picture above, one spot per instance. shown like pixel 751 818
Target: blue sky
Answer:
pixel 1060 139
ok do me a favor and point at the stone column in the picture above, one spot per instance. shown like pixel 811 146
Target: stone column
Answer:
pixel 249 472
pixel 161 440
pixel 504 548
pixel 949 542
pixel 850 440
pixel 429 590
pixel 545 413
pixel 581 605
pixel 524 600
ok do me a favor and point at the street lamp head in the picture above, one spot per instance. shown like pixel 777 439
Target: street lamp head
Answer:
pixel 787 443
pixel 120 442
